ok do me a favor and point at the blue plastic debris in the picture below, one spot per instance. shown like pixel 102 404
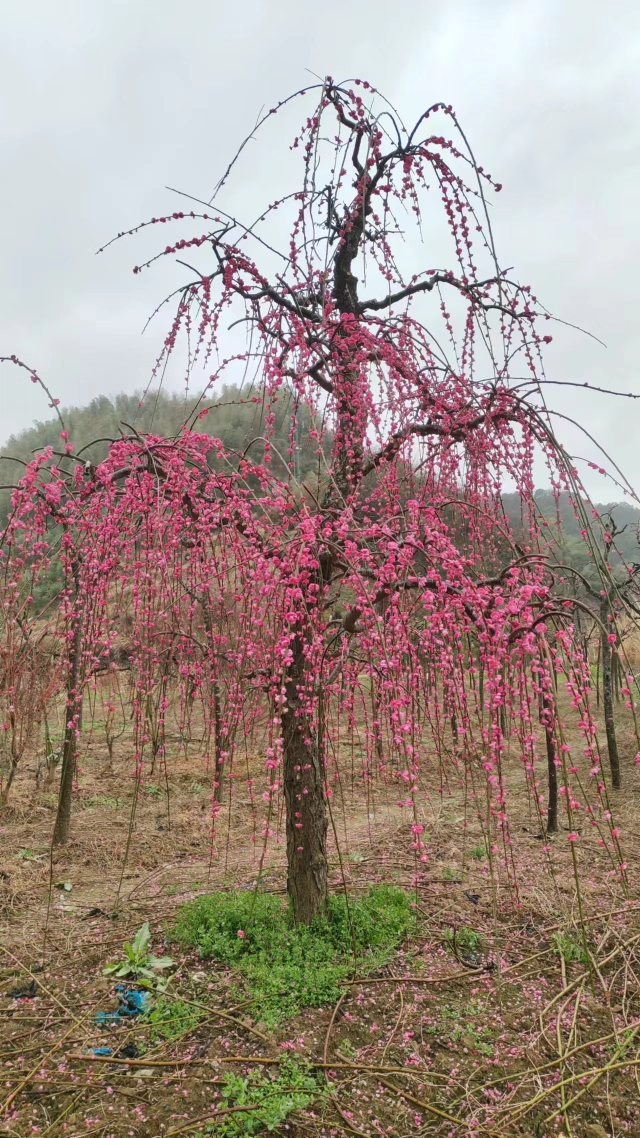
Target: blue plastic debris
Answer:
pixel 102 1051
pixel 132 1003
pixel 104 1019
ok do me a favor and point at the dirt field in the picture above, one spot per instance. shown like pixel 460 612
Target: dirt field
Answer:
pixel 501 1035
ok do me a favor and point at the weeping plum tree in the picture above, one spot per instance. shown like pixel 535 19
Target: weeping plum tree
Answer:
pixel 347 318
pixel 393 567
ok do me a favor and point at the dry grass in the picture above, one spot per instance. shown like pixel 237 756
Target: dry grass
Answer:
pixel 431 1043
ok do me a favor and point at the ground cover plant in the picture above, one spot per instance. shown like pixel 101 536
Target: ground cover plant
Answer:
pixel 289 966
pixel 338 725
pixel 170 1019
pixel 268 1101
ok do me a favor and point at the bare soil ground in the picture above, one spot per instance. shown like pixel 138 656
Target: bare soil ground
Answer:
pixel 513 1038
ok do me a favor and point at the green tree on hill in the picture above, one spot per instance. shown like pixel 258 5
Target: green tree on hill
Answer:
pixel 236 420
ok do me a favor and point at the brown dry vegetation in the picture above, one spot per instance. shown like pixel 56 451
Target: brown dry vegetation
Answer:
pixel 413 1048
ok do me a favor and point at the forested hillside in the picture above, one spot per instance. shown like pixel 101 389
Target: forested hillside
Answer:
pixel 234 419
pixel 237 422
pixel 563 524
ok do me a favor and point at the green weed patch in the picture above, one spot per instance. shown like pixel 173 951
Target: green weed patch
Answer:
pixel 170 1019
pixel 287 967
pixel 268 1099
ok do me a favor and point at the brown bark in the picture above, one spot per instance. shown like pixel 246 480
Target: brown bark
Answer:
pixel 217 743
pixel 303 767
pixel 73 723
pixel 607 695
pixel 304 792
pixel 552 770
pixel 4 794
pixel 205 601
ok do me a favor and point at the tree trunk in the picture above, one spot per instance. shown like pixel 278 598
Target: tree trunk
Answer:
pixel 217 729
pixel 303 766
pixel 552 770
pixel 376 707
pixel 607 695
pixel 304 792
pixel 205 602
pixel 73 724
pixel 4 795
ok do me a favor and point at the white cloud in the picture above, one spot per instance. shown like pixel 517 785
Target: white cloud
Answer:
pixel 105 104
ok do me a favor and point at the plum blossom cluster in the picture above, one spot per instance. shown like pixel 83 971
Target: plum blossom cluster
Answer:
pixel 433 666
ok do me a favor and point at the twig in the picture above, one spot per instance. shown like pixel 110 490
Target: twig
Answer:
pixel 440 1113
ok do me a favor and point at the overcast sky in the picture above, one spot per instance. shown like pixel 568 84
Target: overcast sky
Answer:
pixel 104 103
